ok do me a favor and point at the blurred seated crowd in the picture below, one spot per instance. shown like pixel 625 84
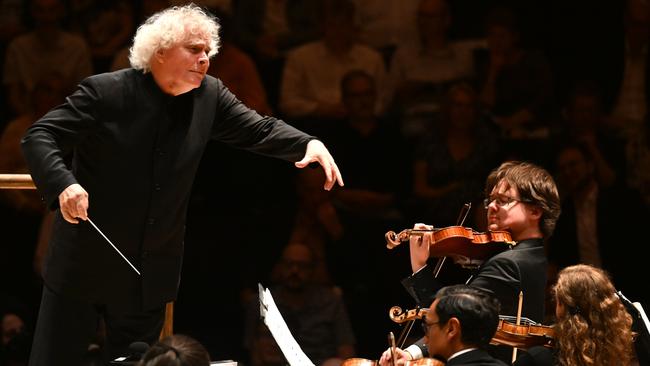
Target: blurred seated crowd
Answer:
pixel 417 100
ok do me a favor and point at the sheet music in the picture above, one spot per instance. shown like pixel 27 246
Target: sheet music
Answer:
pixel 274 321
pixel 643 315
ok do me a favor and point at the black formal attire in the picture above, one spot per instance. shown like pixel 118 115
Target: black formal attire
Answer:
pixel 475 357
pixel 536 356
pixel 135 150
pixel 616 208
pixel 521 268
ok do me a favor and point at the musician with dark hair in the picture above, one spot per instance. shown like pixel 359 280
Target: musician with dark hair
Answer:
pixel 460 324
pixel 178 350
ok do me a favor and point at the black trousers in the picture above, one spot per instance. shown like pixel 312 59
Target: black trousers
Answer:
pixel 66 326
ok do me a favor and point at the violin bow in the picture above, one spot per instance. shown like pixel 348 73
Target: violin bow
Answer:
pixel 462 215
pixel 518 322
pixel 404 334
pixel 391 343
pixel 407 330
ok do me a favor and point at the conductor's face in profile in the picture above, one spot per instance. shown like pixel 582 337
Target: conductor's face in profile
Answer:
pixel 182 67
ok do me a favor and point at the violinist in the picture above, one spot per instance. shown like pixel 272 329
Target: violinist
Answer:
pixel 521 198
pixel 592 325
pixel 459 325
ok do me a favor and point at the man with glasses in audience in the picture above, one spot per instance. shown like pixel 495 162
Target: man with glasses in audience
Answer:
pixel 522 199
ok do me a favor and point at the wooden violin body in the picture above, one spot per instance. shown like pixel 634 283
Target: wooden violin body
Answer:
pixel 465 246
pixel 523 335
pixel 365 362
pixel 425 362
pixel 359 362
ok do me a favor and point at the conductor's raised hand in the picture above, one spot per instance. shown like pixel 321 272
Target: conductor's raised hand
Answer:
pixel 316 151
pixel 419 247
pixel 73 202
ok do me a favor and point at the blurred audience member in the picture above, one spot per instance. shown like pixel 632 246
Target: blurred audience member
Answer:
pixel 629 76
pixel 315 314
pixel 268 29
pixel 381 23
pixel 637 154
pixel 47 93
pixel 423 68
pixel 312 74
pixel 515 83
pixel 585 122
pixel 451 162
pixel 588 231
pixel 11 20
pixel 316 222
pixel 22 210
pixel 367 144
pixel 237 70
pixel 106 26
pixel 15 337
pixel 46 50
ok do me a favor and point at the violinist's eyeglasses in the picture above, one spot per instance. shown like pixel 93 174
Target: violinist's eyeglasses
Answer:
pixel 426 327
pixel 500 200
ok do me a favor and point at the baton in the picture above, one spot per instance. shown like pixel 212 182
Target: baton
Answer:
pixel 113 245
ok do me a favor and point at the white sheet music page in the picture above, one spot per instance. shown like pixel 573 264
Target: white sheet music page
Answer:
pixel 643 315
pixel 274 321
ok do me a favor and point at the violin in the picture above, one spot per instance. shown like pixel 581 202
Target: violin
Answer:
pixel 525 335
pixel 425 362
pixel 467 247
pixel 399 316
pixel 359 362
pixel 365 362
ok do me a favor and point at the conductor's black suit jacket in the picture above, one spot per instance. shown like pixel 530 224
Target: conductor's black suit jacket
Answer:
pixel 135 150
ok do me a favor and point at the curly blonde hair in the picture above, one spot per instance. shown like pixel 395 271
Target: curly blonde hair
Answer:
pixel 595 328
pixel 169 27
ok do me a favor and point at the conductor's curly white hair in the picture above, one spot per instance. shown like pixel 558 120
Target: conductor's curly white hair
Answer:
pixel 169 27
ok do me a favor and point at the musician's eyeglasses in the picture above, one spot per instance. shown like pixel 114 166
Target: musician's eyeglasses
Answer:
pixel 501 201
pixel 426 326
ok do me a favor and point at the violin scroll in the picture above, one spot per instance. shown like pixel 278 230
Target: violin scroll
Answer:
pixel 400 316
pixel 393 239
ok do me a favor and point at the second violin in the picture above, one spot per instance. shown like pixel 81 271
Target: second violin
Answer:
pixel 525 335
